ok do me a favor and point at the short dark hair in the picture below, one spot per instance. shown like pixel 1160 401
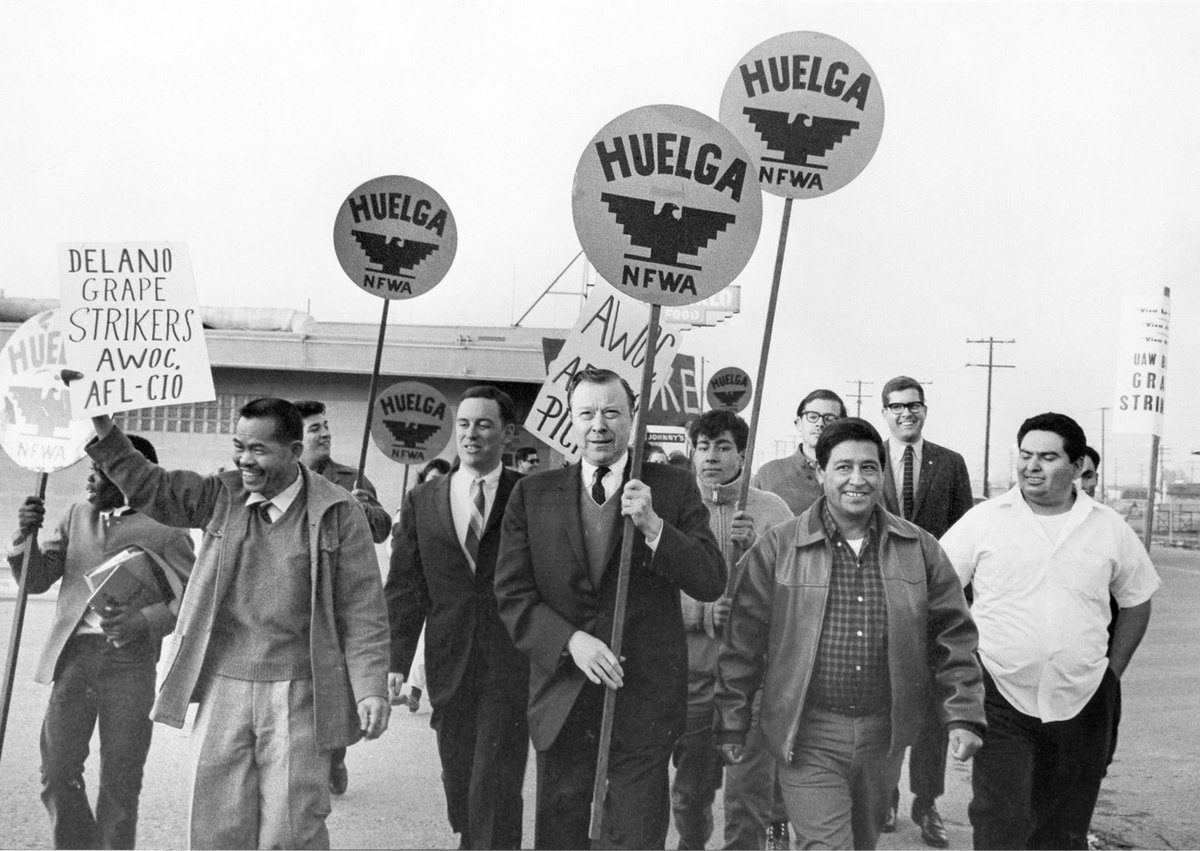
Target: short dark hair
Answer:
pixel 508 408
pixel 144 446
pixel 680 459
pixel 438 464
pixel 1073 438
pixel 902 382
pixel 847 428
pixel 597 375
pixel 713 424
pixel 1093 454
pixel 309 407
pixel 289 425
pixel 526 452
pixel 820 393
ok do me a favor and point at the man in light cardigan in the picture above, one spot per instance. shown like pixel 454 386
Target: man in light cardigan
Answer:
pixel 283 633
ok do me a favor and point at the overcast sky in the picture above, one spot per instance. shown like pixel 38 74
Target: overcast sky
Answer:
pixel 1037 161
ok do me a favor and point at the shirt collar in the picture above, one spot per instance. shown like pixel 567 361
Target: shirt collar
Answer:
pixel 722 493
pixel 282 500
pixel 588 469
pixel 490 480
pixel 897 450
pixel 119 511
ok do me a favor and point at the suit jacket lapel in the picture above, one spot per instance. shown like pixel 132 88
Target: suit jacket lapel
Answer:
pixel 925 481
pixel 441 509
pixel 891 498
pixel 570 487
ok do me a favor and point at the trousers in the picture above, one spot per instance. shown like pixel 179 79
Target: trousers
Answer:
pixel 97 682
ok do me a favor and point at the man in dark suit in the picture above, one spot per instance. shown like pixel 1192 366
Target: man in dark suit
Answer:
pixel 556 584
pixel 928 485
pixel 441 577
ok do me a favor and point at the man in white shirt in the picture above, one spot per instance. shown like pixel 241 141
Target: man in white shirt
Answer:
pixel 1043 559
pixel 441 578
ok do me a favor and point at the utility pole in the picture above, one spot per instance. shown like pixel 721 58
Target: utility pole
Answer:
pixel 1103 455
pixel 987 428
pixel 858 397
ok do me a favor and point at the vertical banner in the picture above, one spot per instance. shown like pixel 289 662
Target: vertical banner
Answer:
pixel 132 327
pixel 610 333
pixel 1142 362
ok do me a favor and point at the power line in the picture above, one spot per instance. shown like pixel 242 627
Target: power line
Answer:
pixel 987 428
pixel 858 397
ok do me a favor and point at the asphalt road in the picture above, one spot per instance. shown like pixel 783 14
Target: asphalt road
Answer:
pixel 395 798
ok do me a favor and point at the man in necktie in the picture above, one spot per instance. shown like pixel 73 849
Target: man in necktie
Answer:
pixel 282 633
pixel 928 485
pixel 556 582
pixel 441 575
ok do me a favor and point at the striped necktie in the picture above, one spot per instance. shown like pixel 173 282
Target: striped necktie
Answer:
pixel 475 524
pixel 907 492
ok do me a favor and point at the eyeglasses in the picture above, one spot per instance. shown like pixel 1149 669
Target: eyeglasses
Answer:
pixel 899 408
pixel 814 418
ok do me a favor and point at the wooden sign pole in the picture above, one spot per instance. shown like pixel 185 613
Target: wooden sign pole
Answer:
pixel 362 456
pixel 14 641
pixel 600 786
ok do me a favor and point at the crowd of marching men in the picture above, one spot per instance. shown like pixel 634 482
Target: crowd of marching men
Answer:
pixel 786 639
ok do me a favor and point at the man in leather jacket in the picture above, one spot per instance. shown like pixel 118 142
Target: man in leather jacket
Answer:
pixel 848 618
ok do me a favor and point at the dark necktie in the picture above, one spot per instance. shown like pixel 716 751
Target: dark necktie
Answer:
pixel 475 524
pixel 264 510
pixel 907 492
pixel 598 485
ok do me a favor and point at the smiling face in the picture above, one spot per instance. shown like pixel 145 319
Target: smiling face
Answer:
pixel 852 479
pixel 101 492
pixel 717 459
pixel 601 421
pixel 905 426
pixel 267 464
pixel 1046 475
pixel 480 435
pixel 317 440
pixel 810 432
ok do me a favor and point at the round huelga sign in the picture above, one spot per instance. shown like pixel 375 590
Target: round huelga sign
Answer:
pixel 808 109
pixel 411 422
pixel 666 205
pixel 395 237
pixel 36 427
pixel 729 390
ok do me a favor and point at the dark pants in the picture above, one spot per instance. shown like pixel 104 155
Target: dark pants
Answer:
pixel 637 807
pixel 483 742
pixel 97 681
pixel 1035 783
pixel 927 760
pixel 698 773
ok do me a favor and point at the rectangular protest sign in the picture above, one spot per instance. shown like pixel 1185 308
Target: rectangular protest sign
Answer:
pixel 610 334
pixel 1142 362
pixel 132 326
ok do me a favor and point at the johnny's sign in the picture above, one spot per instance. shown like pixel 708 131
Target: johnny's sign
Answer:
pixel 395 237
pixel 666 205
pixel 808 109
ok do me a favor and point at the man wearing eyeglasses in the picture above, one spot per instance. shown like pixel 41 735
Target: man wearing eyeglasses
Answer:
pixel 795 478
pixel 928 485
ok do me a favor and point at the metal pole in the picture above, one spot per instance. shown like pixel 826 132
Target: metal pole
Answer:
pixel 987 430
pixel 600 784
pixel 14 640
pixel 362 456
pixel 1149 534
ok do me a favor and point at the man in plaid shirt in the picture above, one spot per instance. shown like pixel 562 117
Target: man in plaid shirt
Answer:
pixel 848 618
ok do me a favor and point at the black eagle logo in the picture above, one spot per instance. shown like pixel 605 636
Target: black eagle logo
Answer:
pixel 41 408
pixel 393 254
pixel 800 138
pixel 411 435
pixel 672 231
pixel 728 398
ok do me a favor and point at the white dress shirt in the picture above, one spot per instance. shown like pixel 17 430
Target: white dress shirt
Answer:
pixel 282 501
pixel 896 451
pixel 461 499
pixel 1041 605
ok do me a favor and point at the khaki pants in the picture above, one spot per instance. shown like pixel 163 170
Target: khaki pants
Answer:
pixel 259 781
